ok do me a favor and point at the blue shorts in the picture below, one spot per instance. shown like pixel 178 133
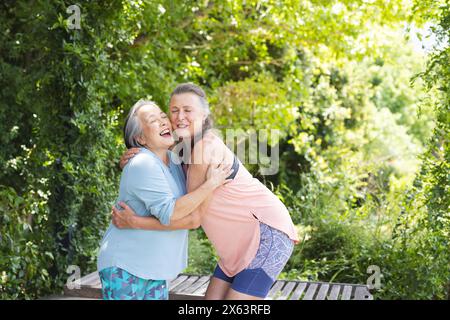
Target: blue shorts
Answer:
pixel 275 249
pixel 118 284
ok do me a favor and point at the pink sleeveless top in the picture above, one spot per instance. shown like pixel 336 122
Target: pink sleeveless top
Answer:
pixel 232 218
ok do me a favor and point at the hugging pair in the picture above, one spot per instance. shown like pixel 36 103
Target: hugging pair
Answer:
pixel 163 195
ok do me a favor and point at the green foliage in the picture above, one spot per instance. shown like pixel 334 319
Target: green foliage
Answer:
pixel 24 244
pixel 364 150
pixel 202 257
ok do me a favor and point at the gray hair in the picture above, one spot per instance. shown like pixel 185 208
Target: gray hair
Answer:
pixel 195 89
pixel 132 128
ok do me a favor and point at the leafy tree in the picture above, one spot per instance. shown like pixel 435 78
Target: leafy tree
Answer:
pixel 333 76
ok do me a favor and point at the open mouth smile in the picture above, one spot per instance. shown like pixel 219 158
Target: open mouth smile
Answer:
pixel 165 133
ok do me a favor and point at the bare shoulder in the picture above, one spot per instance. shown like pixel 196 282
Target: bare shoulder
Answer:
pixel 209 149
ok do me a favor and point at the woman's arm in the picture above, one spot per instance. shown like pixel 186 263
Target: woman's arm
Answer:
pixel 127 219
pixel 127 155
pixel 215 176
pixel 157 196
pixel 187 205
pixel 181 217
pixel 211 153
pixel 197 174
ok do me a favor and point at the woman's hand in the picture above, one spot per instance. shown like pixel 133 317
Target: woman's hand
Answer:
pixel 130 153
pixel 123 219
pixel 217 175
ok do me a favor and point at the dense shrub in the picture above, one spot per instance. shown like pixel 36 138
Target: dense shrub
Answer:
pixel 338 89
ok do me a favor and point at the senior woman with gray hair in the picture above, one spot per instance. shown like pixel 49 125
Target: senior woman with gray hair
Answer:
pixel 136 264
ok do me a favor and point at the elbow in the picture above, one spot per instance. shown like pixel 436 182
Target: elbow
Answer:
pixel 195 221
pixel 195 225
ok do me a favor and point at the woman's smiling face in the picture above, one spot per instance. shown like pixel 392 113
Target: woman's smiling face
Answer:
pixel 186 114
pixel 156 128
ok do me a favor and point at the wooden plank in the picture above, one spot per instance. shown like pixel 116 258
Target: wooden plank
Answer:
pixel 193 287
pixel 202 289
pixel 298 291
pixel 275 289
pixel 90 279
pixel 346 293
pixel 177 281
pixel 197 285
pixel 84 292
pixel 97 284
pixel 286 290
pixel 93 281
pixel 362 293
pixel 182 296
pixel 186 284
pixel 90 287
pixel 309 295
pixel 334 293
pixel 323 290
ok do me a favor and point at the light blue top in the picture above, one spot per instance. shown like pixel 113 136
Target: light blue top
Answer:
pixel 149 187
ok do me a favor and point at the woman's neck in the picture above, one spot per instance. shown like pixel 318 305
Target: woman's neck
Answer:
pixel 161 154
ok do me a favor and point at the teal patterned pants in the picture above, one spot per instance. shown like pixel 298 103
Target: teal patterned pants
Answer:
pixel 118 284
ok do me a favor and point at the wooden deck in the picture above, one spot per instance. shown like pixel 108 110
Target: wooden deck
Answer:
pixel 193 287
